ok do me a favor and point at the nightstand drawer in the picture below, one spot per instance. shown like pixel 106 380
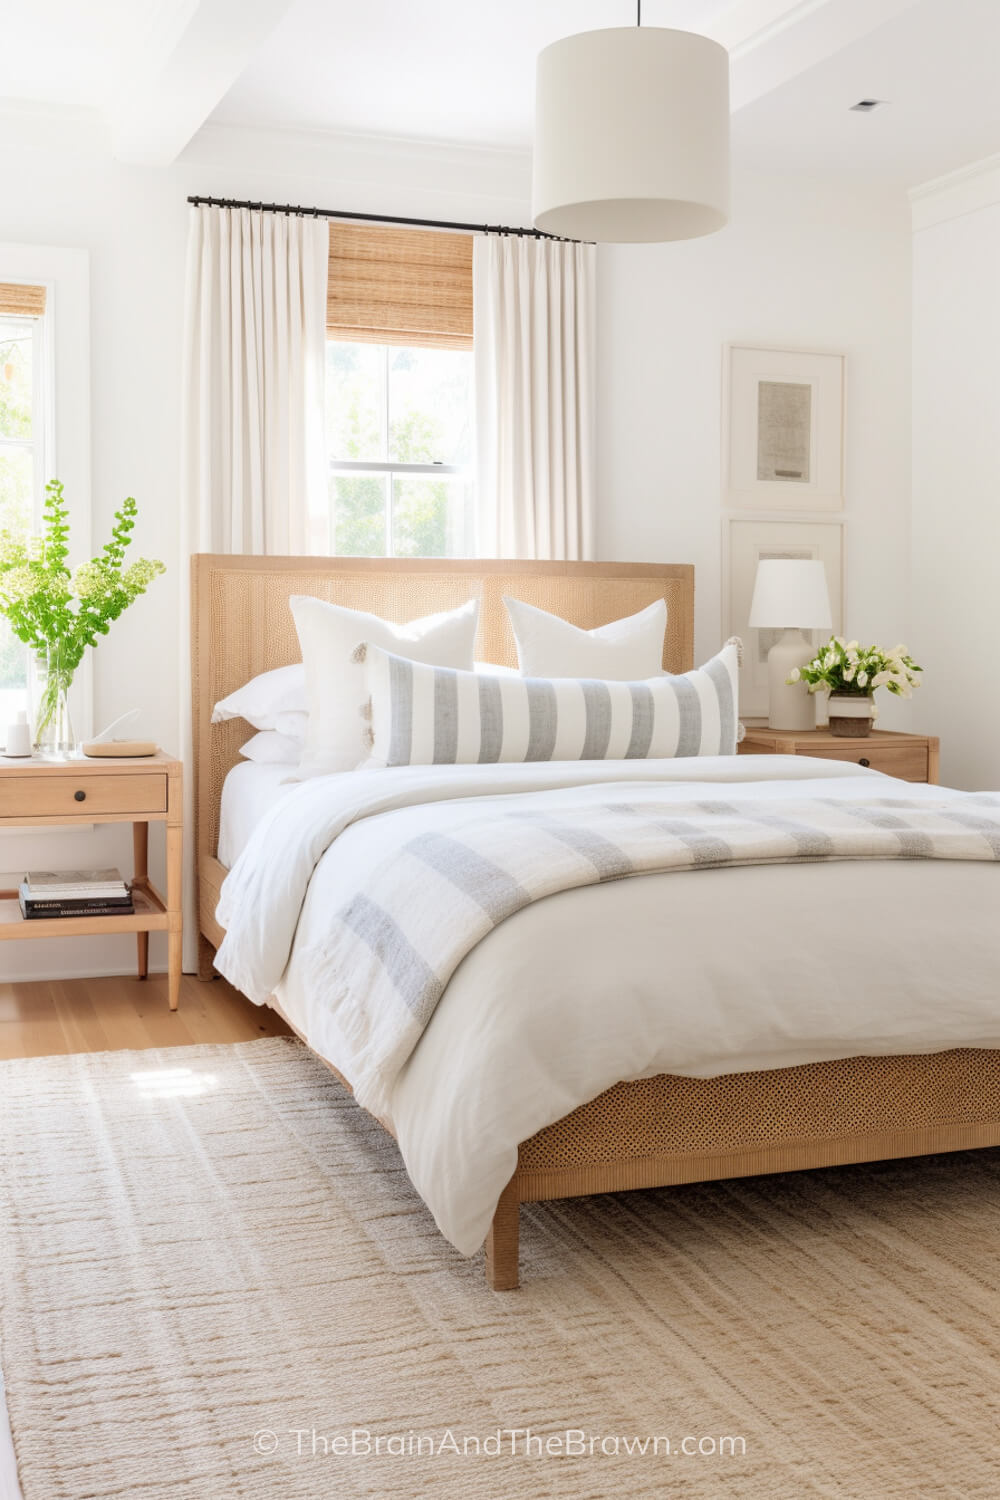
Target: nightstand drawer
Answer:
pixel 46 795
pixel 908 762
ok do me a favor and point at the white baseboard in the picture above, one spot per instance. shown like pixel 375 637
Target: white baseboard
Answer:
pixel 75 971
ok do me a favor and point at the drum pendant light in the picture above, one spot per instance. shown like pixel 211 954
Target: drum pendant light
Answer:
pixel 631 136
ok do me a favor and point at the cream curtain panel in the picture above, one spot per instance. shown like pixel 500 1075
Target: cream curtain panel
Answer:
pixel 534 312
pixel 253 460
pixel 254 465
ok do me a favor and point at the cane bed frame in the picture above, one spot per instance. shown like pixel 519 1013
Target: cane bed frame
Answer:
pixel 651 1132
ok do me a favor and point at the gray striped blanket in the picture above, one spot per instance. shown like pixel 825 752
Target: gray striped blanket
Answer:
pixel 430 898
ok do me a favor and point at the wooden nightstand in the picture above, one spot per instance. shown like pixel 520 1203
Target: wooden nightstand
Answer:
pixel 148 789
pixel 911 757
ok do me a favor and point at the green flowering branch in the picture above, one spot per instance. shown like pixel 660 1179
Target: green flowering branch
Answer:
pixel 38 591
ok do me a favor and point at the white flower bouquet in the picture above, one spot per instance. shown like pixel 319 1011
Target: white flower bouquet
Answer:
pixel 846 667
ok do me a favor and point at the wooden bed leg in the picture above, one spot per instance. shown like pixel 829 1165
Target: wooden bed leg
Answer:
pixel 206 958
pixel 502 1241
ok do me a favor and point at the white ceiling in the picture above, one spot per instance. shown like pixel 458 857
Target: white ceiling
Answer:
pixel 451 70
pixel 938 66
pixel 73 54
pixel 463 71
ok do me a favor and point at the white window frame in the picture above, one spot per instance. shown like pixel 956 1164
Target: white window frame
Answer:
pixel 41 415
pixel 388 466
pixel 39 442
pixel 64 338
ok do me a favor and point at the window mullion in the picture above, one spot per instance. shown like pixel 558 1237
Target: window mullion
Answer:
pixel 389 551
pixel 361 466
pixel 385 402
pixel 39 376
pixel 390 483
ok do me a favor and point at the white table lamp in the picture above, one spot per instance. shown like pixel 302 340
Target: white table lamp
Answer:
pixel 790 595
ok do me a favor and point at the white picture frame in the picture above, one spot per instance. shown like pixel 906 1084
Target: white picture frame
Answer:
pixel 747 542
pixel 783 429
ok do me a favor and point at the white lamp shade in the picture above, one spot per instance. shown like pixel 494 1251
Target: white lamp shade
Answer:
pixel 631 136
pixel 790 593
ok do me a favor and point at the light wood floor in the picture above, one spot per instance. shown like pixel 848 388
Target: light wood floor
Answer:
pixel 106 1015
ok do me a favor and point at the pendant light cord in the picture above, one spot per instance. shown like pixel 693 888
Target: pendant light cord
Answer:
pixel 638 12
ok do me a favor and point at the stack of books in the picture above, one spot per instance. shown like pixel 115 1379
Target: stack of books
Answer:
pixel 74 893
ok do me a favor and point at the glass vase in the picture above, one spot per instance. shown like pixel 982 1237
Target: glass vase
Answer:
pixel 54 737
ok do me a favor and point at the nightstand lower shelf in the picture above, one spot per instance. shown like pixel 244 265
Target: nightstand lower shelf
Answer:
pixel 150 916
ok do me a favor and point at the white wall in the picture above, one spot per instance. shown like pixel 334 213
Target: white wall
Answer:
pixel 815 269
pixel 800 266
pixel 956 467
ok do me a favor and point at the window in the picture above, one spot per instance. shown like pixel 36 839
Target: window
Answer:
pixel 22 452
pixel 399 410
pixel 399 437
pixel 44 422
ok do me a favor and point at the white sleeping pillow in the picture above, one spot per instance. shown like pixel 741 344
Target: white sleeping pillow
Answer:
pixel 264 697
pixel 335 683
pixel 628 650
pixel 426 716
pixel 269 748
pixel 293 721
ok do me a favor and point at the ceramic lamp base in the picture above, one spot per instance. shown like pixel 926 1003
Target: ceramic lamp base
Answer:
pixel 790 705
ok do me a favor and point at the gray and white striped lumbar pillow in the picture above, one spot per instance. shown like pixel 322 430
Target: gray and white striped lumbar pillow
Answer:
pixel 422 715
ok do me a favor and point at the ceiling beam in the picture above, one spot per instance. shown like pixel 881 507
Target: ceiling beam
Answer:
pixel 773 41
pixel 188 65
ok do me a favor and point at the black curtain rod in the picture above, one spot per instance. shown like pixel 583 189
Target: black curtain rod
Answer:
pixel 336 213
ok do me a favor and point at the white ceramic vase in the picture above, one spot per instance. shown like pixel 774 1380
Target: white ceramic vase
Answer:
pixel 851 714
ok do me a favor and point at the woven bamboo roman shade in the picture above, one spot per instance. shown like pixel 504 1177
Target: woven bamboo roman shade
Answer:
pixel 21 300
pixel 400 286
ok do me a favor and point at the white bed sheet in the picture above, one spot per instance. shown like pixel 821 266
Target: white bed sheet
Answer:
pixel 247 793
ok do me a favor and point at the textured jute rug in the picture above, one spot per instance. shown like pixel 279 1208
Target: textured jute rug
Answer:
pixel 217 1281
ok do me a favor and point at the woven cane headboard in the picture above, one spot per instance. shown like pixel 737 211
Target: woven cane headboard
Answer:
pixel 241 623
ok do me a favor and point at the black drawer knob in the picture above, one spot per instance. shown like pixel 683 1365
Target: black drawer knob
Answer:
pixel 862 761
pixel 79 796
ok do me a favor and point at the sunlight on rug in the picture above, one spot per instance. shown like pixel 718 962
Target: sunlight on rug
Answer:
pixel 218 1282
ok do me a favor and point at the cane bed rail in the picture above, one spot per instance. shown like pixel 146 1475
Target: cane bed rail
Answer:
pixel 647 1133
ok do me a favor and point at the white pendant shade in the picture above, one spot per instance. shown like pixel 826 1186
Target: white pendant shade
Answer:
pixel 631 136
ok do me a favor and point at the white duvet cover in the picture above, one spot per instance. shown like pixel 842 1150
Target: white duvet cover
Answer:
pixel 691 972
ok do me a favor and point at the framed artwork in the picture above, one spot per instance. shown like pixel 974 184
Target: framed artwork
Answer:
pixel 783 429
pixel 747 543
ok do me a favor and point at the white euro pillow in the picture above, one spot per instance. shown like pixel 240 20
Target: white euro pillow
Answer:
pixel 493 669
pixel 628 650
pixel 336 691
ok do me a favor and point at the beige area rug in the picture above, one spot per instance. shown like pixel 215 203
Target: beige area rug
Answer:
pixel 209 1243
